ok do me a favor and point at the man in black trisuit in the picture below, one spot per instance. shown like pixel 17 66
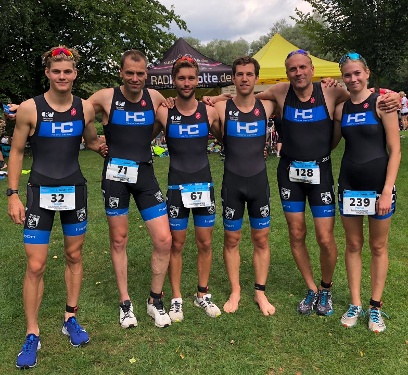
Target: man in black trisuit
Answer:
pixel 190 185
pixel 54 124
pixel 244 122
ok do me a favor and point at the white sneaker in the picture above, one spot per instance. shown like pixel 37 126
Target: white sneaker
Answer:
pixel 206 304
pixel 176 310
pixel 158 313
pixel 375 320
pixel 350 317
pixel 127 318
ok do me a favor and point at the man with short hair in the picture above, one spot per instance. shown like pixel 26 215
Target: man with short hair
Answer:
pixel 190 185
pixel 244 122
pixel 128 114
pixel 54 124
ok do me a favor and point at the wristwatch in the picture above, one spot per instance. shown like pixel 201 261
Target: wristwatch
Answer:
pixel 10 192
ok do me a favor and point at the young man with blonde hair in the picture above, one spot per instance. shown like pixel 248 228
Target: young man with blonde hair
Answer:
pixel 54 124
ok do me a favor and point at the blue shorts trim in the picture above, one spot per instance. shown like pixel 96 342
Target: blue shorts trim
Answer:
pixel 76 229
pixel 260 223
pixel 232 225
pixel 117 211
pixel 292 206
pixel 178 224
pixel 323 211
pixel 154 212
pixel 205 221
pixel 375 216
pixel 36 237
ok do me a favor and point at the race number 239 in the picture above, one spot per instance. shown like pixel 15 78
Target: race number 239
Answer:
pixel 359 202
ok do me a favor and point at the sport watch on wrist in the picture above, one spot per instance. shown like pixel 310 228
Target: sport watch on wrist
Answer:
pixel 10 192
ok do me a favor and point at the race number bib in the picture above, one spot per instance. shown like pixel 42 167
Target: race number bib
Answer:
pixel 122 170
pixel 304 171
pixel 57 198
pixel 196 195
pixel 359 202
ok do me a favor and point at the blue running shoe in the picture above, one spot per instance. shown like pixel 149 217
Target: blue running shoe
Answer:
pixel 324 304
pixel 78 336
pixel 27 358
pixel 308 303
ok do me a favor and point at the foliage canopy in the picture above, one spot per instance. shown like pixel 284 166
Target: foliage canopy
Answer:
pixel 374 28
pixel 101 30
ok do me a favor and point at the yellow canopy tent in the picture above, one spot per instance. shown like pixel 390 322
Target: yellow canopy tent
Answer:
pixel 272 60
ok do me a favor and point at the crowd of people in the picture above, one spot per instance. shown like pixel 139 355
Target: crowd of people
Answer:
pixel 313 118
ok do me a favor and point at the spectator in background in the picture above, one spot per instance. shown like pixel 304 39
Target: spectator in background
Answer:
pixel 3 164
pixel 404 110
pixel 277 122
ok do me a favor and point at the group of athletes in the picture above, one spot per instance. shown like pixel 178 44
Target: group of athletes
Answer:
pixel 314 117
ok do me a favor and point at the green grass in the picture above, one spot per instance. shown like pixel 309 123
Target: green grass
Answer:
pixel 240 343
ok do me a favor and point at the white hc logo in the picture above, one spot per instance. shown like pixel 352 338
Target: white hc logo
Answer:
pixel 65 127
pixel 135 116
pixel 357 117
pixel 189 129
pixel 305 114
pixel 247 127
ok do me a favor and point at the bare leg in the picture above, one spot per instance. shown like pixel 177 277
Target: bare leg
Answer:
pixel 176 261
pixel 204 256
pixel 353 227
pixel 118 235
pixel 379 256
pixel 261 262
pixel 232 261
pixel 159 230
pixel 324 229
pixel 297 236
pixel 73 269
pixel 33 286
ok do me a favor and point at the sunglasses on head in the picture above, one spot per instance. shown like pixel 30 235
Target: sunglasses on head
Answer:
pixel 298 52
pixel 62 51
pixel 352 56
pixel 187 58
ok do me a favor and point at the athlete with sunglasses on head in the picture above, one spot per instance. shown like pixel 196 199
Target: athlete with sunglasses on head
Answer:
pixel 368 172
pixel 186 126
pixel 54 124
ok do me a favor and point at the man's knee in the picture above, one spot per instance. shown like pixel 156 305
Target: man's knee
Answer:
pixel 118 239
pixel 162 243
pixel 74 256
pixel 35 268
pixel 231 240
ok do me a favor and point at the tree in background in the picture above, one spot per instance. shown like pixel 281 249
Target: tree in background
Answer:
pixel 225 51
pixel 377 29
pixel 101 30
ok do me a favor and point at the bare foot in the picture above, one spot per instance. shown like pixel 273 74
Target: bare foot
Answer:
pixel 232 304
pixel 264 305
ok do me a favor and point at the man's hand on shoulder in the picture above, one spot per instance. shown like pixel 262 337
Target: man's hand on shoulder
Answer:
pixel 211 100
pixel 389 102
pixel 170 102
